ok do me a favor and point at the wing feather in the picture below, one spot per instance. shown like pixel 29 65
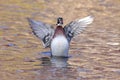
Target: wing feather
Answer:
pixel 42 30
pixel 75 27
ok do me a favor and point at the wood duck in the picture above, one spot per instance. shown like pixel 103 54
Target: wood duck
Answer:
pixel 58 40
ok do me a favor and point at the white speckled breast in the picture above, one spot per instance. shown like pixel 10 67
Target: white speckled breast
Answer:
pixel 60 46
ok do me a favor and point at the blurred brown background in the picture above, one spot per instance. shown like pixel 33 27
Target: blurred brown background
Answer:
pixel 95 53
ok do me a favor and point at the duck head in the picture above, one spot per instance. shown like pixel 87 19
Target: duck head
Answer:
pixel 59 21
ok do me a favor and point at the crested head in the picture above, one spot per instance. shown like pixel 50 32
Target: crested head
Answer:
pixel 59 21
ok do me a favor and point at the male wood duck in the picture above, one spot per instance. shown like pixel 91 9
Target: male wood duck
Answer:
pixel 58 40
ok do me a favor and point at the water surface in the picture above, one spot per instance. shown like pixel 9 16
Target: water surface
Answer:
pixel 95 53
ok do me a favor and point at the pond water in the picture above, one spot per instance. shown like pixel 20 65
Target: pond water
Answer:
pixel 94 54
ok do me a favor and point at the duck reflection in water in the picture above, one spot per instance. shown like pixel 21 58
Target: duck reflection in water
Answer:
pixel 54 61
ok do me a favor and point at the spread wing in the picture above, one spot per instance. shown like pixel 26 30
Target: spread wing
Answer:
pixel 77 26
pixel 42 30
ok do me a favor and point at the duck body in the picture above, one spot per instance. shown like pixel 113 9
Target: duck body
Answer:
pixel 59 43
